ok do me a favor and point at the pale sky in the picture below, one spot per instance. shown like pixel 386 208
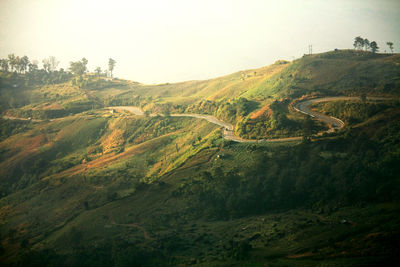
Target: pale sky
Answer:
pixel 156 41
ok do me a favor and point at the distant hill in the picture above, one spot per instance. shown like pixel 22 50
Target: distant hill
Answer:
pixel 336 72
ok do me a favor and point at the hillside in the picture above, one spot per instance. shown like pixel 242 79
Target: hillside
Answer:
pixel 83 185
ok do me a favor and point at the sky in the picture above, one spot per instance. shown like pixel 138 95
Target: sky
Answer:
pixel 158 41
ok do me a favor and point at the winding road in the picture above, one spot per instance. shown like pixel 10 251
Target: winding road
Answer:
pixel 335 123
pixel 302 106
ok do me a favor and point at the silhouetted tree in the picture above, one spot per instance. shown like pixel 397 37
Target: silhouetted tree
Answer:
pixel 390 44
pixel 366 44
pixel 24 62
pixel 12 61
pixel 358 42
pixel 374 47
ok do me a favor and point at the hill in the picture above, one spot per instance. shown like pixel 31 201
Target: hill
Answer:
pixel 88 187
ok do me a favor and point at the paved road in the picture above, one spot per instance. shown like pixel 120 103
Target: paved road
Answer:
pixel 227 127
pixel 304 107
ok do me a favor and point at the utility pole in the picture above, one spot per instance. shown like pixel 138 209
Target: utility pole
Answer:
pixel 310 49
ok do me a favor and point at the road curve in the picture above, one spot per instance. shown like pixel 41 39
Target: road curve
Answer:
pixel 335 123
pixel 302 106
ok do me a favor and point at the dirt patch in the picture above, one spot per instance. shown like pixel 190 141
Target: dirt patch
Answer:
pixel 115 139
pixel 32 143
pixel 53 106
pixel 297 256
pixel 264 110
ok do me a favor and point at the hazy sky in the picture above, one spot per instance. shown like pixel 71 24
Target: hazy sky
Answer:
pixel 156 41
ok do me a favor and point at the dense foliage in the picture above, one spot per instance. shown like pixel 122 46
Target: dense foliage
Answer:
pixel 352 169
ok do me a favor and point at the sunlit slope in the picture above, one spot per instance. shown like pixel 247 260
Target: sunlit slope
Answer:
pixel 346 72
pixel 331 73
pixel 56 100
pixel 97 143
pixel 221 88
pixel 118 189
pixel 334 73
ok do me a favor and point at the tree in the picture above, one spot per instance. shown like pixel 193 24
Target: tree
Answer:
pixel 358 42
pixel 366 44
pixel 98 71
pixel 4 64
pixel 12 61
pixel 111 65
pixel 374 47
pixel 390 44
pixel 84 62
pixel 78 67
pixel 46 64
pixel 32 67
pixel 18 64
pixel 24 62
pixel 51 63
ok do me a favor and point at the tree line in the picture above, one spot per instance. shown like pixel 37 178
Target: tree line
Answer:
pixel 361 43
pixel 49 73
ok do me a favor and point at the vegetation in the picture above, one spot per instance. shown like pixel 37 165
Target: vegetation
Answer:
pixel 111 65
pixel 355 112
pixel 83 186
pixel 360 43
pixel 390 45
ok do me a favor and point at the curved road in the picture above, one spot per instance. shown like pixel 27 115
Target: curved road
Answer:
pixel 335 123
pixel 302 106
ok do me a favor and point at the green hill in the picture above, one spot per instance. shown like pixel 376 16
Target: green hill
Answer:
pixel 83 186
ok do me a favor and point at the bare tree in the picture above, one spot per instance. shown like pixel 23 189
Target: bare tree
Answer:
pixel 53 63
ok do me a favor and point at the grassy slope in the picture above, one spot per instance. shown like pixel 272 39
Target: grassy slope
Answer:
pixel 222 88
pixel 100 183
pixel 335 73
pixel 343 72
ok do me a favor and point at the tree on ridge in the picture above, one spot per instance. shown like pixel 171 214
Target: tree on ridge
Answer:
pixel 374 47
pixel 111 65
pixel 390 44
